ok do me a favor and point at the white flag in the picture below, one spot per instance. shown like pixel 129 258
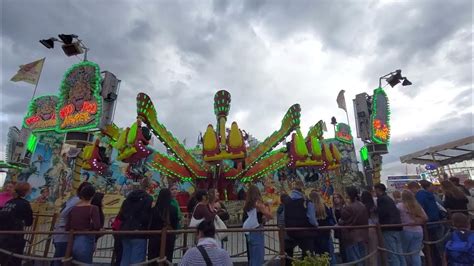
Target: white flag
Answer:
pixel 341 101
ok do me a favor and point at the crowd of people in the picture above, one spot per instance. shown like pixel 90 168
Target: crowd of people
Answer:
pixel 398 214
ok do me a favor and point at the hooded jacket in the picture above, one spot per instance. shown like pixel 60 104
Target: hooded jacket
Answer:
pixel 136 211
pixel 428 202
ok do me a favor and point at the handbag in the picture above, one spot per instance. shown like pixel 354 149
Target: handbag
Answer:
pixel 195 222
pixel 116 224
pixel 220 225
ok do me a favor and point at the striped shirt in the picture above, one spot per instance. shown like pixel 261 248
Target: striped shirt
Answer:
pixel 217 255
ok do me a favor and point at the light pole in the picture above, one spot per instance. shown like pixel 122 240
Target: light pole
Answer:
pixel 372 114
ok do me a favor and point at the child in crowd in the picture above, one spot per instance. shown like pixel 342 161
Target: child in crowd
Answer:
pixel 460 248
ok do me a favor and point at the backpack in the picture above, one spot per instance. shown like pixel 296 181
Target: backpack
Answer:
pixel 460 248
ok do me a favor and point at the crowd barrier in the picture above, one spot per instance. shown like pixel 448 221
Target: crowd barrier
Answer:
pixel 39 242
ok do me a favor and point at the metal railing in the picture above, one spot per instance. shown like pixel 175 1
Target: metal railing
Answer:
pixel 39 246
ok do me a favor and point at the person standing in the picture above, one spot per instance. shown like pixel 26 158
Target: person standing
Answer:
pixel 164 215
pixel 427 201
pixel 454 197
pixel 369 203
pixel 256 213
pixel 14 216
pixel 7 193
pixel 353 214
pixel 389 214
pixel 201 211
pixel 174 193
pixel 300 213
pixel 84 217
pixel 135 216
pixel 323 243
pixel 457 183
pixel 60 240
pixel 412 236
pixel 338 204
pixel 217 206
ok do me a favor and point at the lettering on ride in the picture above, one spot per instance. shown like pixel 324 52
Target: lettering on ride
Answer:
pixel 79 119
pixel 84 117
pixel 39 124
pixel 381 130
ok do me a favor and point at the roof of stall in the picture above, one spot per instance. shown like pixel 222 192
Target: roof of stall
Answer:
pixel 444 154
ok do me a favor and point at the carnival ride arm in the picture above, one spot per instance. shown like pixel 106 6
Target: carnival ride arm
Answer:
pixel 169 166
pixel 290 122
pixel 274 161
pixel 147 113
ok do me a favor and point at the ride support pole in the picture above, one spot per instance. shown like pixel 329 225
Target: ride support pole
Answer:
pixel 427 247
pixel 163 246
pixel 281 240
pixel 383 254
pixel 51 229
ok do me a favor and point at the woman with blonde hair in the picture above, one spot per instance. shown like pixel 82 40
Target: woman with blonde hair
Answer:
pixel 323 243
pixel 454 198
pixel 412 236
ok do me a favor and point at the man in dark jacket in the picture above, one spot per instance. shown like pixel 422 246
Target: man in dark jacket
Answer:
pixel 14 216
pixel 300 212
pixel 427 201
pixel 389 214
pixel 135 216
pixel 353 214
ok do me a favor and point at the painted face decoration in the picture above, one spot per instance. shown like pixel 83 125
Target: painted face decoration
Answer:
pixel 46 109
pixel 80 93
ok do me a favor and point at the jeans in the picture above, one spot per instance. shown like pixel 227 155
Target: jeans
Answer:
pixel 436 233
pixel 59 251
pixel 355 252
pixel 393 242
pixel 412 241
pixel 305 244
pixel 256 248
pixel 133 251
pixel 83 248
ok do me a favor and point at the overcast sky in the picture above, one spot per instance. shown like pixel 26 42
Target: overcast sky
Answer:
pixel 267 54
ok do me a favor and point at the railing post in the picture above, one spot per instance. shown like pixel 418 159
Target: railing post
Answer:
pixel 427 247
pixel 163 246
pixel 33 237
pixel 383 255
pixel 51 228
pixel 70 242
pixel 185 243
pixel 281 240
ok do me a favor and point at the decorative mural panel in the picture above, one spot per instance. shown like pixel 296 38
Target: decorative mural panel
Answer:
pixel 41 114
pixel 80 103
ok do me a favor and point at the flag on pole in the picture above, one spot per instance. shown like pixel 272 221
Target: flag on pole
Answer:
pixel 341 101
pixel 30 72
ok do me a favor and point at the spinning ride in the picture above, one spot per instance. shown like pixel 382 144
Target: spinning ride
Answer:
pixel 226 156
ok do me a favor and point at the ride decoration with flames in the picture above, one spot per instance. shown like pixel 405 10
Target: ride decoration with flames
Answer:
pixel 380 118
pixel 80 103
pixel 41 114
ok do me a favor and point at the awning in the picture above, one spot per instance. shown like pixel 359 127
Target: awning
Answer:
pixel 449 153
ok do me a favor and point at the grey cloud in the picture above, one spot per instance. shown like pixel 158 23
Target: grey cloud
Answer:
pixel 220 48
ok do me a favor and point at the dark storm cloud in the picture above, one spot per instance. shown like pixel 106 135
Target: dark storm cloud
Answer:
pixel 182 52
